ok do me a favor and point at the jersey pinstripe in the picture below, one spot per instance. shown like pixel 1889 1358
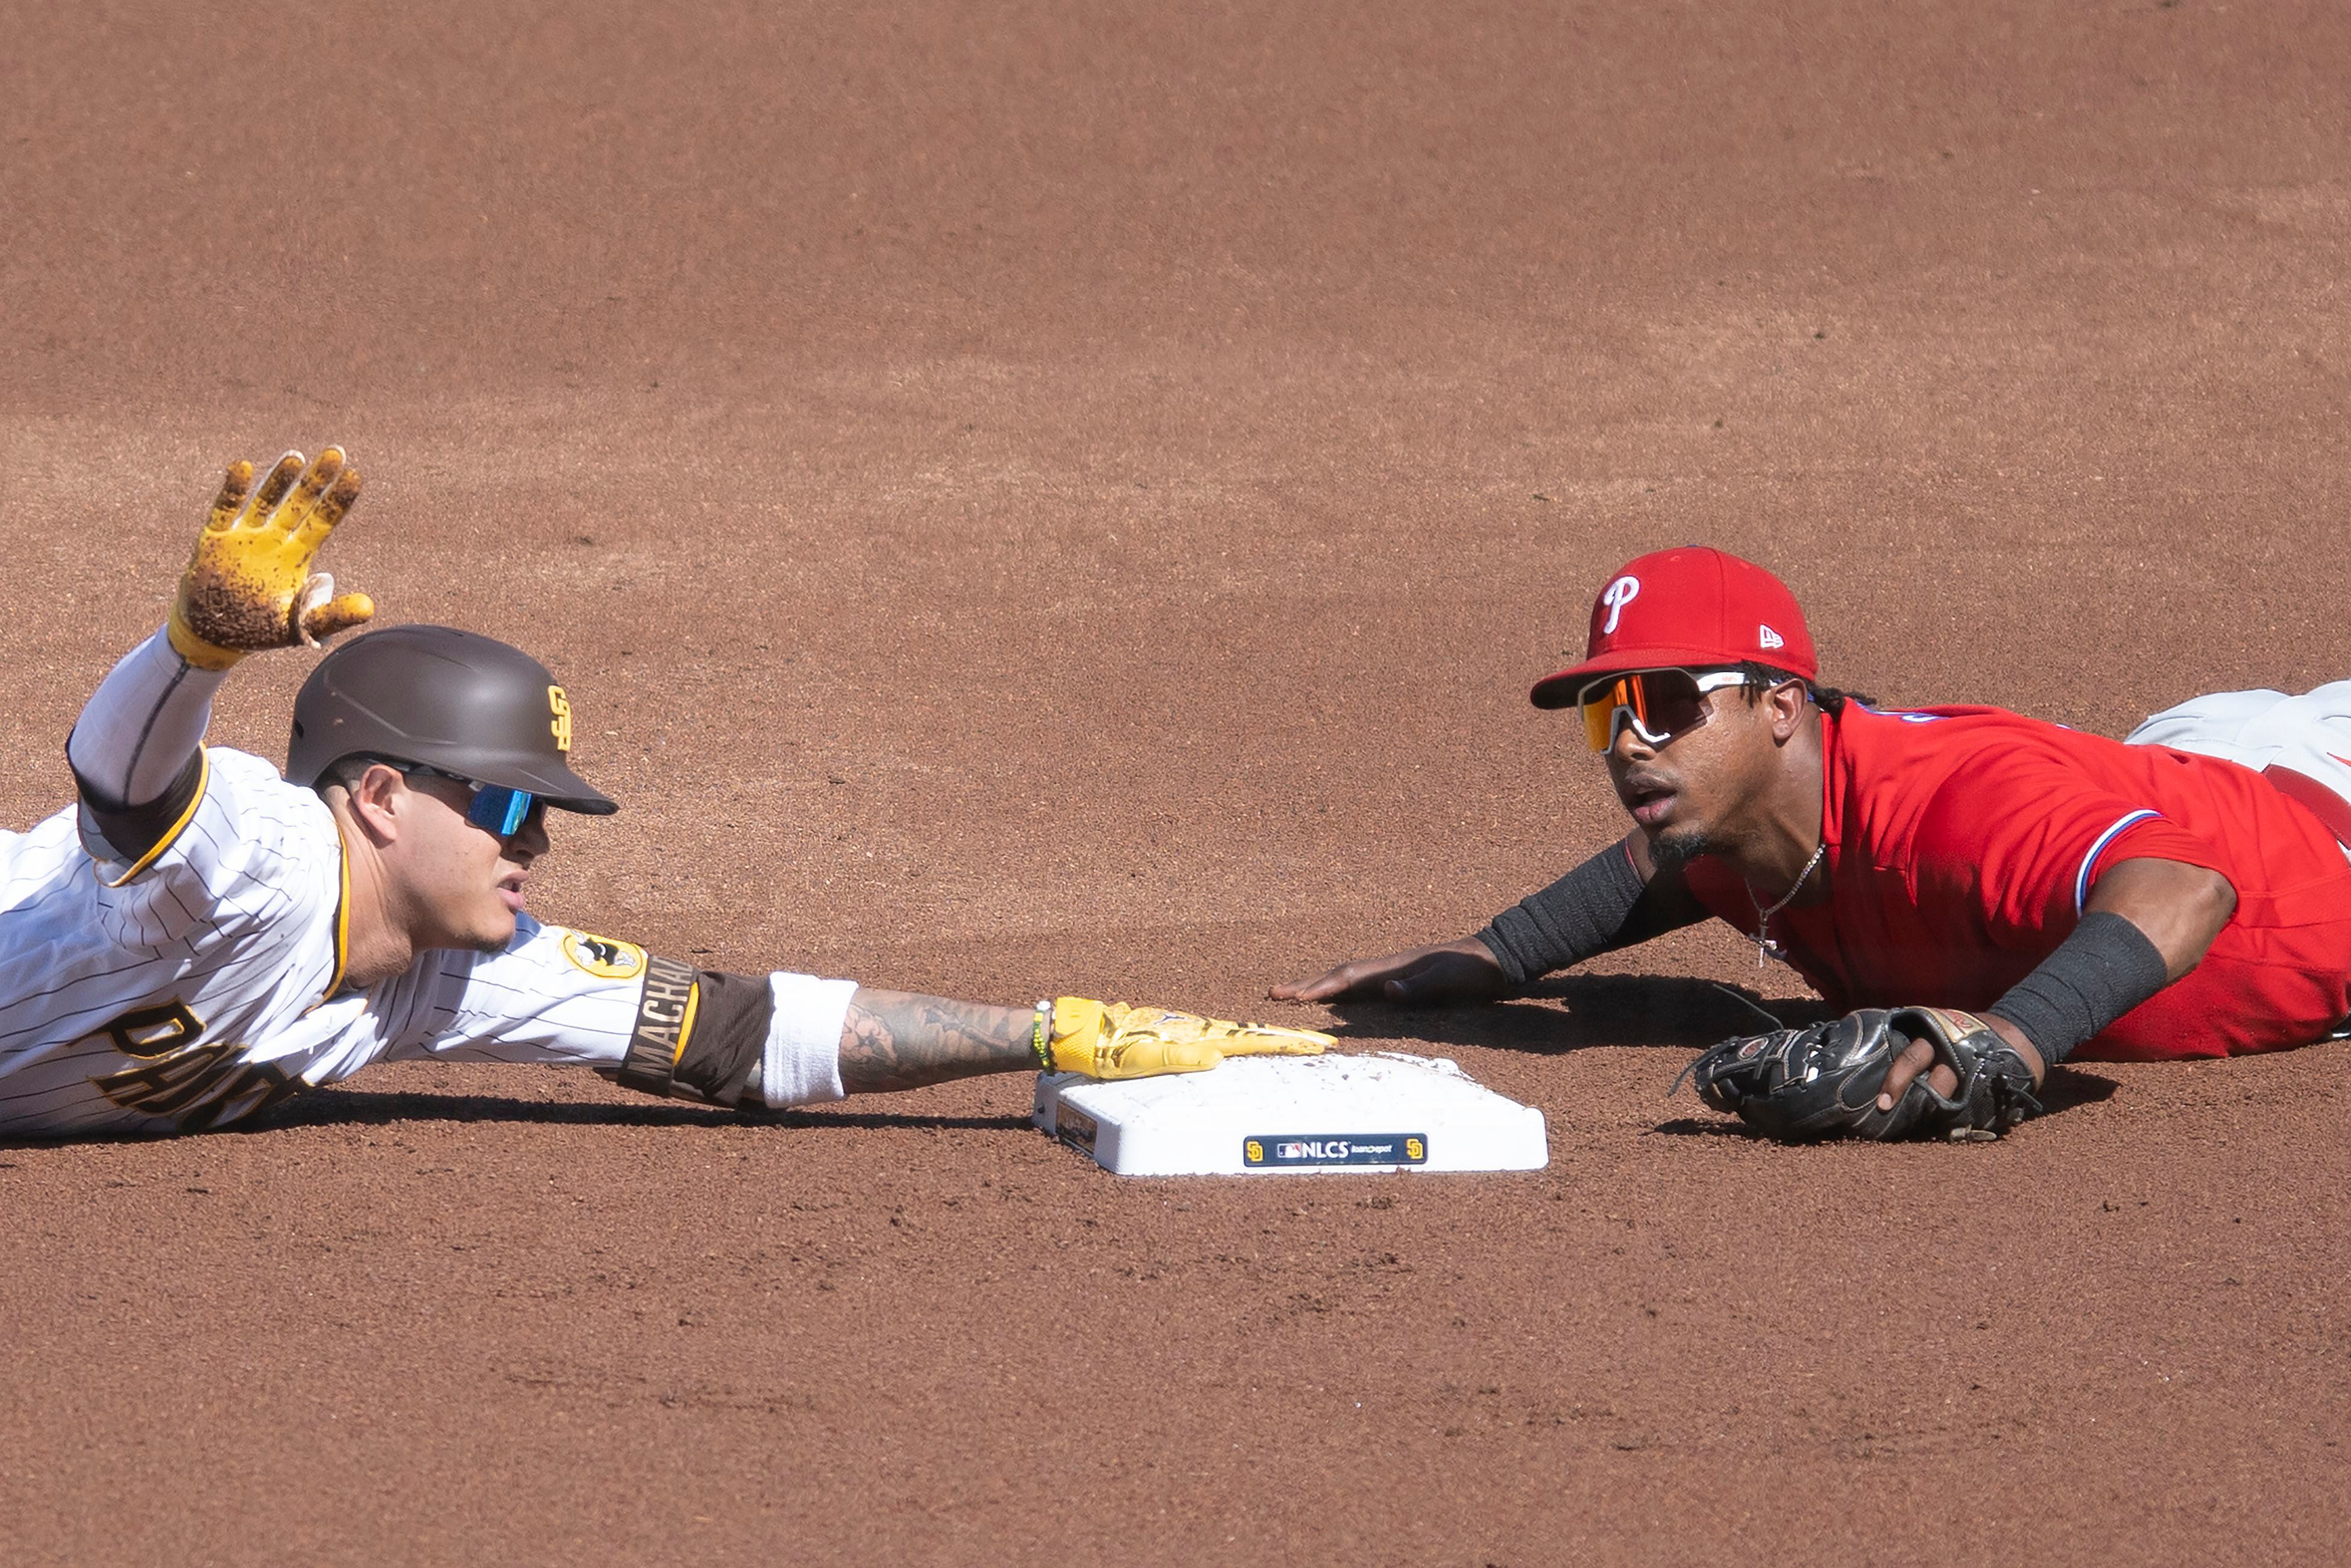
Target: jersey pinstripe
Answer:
pixel 202 982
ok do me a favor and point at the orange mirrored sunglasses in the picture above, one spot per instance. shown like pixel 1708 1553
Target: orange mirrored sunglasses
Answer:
pixel 1659 704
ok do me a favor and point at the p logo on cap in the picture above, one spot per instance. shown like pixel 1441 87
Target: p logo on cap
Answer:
pixel 1617 595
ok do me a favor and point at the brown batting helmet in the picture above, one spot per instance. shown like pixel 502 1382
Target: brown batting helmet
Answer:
pixel 453 700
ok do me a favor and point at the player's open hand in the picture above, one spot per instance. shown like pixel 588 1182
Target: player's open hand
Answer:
pixel 1435 976
pixel 250 585
pixel 1120 1042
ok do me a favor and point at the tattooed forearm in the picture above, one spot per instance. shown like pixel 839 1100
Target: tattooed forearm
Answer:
pixel 895 1040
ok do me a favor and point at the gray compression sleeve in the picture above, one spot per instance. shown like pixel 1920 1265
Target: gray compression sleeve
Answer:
pixel 2104 969
pixel 1586 912
pixel 135 750
pixel 142 725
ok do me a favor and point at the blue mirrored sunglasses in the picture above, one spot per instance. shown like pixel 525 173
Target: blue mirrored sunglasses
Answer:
pixel 495 809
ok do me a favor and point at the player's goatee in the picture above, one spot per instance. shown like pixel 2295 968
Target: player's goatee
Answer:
pixel 1671 849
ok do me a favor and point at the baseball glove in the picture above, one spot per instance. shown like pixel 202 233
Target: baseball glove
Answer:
pixel 1120 1041
pixel 1823 1081
pixel 250 585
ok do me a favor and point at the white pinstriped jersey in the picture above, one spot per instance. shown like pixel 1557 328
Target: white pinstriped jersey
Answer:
pixel 204 982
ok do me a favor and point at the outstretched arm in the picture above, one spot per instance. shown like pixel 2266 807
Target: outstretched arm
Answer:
pixel 790 1039
pixel 899 1039
pixel 1616 899
pixel 135 749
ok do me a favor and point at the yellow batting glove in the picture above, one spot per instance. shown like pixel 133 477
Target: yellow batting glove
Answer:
pixel 1120 1041
pixel 250 585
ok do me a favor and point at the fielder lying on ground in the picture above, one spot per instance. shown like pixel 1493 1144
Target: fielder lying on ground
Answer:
pixel 1983 894
pixel 201 938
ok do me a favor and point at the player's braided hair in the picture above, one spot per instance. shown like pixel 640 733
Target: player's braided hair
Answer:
pixel 1761 678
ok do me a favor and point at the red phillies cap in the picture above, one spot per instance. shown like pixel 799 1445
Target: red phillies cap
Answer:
pixel 1689 606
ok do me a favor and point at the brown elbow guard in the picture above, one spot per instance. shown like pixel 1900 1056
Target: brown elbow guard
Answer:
pixel 698 1034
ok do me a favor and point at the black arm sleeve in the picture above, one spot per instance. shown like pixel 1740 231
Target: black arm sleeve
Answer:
pixel 2104 969
pixel 135 829
pixel 1596 908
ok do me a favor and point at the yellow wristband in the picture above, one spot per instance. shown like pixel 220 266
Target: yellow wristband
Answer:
pixel 1041 1035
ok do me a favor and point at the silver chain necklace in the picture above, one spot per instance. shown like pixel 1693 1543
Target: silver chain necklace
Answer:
pixel 1765 947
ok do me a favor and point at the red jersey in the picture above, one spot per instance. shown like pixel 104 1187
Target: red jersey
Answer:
pixel 1964 842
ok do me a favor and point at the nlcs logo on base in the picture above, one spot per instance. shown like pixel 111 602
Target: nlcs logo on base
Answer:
pixel 1330 1149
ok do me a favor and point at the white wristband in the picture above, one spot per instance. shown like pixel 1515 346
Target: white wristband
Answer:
pixel 802 1062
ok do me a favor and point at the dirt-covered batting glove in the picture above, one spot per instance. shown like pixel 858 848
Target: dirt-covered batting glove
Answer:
pixel 250 585
pixel 1115 1040
pixel 1823 1081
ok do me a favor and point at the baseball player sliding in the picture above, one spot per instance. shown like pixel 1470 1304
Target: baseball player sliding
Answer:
pixel 200 938
pixel 1981 894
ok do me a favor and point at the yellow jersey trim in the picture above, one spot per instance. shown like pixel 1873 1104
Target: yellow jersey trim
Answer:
pixel 171 835
pixel 342 918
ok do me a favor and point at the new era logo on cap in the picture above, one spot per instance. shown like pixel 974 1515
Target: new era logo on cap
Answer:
pixel 1686 608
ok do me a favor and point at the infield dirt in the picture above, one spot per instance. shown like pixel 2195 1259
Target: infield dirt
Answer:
pixel 1032 498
